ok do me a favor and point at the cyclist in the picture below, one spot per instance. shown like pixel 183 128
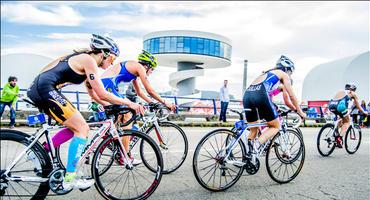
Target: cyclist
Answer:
pixel 126 72
pixel 81 66
pixel 129 71
pixel 257 98
pixel 339 106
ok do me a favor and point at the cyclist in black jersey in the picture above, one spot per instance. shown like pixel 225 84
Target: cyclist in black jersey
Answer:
pixel 339 106
pixel 81 66
pixel 258 98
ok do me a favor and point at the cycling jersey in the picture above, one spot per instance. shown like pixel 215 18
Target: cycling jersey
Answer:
pixel 44 90
pixel 257 98
pixel 340 106
pixel 111 83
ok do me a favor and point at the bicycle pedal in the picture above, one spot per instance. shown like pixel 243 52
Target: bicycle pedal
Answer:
pixel 84 189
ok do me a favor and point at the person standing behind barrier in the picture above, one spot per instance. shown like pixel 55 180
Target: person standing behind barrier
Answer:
pixel 354 114
pixel 9 98
pixel 362 116
pixel 224 99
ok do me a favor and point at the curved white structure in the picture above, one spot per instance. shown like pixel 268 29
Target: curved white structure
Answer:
pixel 326 79
pixel 191 52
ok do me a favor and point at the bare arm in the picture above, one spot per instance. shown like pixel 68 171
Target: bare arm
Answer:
pixel 91 70
pixel 355 99
pixel 286 99
pixel 140 93
pixel 94 96
pixel 288 87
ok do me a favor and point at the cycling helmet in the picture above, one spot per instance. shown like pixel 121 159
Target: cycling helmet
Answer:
pixel 285 64
pixel 104 43
pixel 148 59
pixel 350 86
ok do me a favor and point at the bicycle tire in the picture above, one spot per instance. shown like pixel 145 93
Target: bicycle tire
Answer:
pixel 169 168
pixel 348 137
pixel 222 166
pixel 329 141
pixel 108 193
pixel 274 145
pixel 40 154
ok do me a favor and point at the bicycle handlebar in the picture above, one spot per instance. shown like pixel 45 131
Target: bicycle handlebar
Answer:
pixel 115 110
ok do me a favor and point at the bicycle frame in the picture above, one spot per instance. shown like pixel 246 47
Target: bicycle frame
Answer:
pixel 246 133
pixel 149 120
pixel 107 126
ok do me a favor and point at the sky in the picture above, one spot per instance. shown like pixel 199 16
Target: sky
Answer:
pixel 310 33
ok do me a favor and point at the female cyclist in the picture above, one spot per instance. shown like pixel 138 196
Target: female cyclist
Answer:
pixel 81 66
pixel 258 98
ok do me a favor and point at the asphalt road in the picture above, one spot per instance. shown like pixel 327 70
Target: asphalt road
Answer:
pixel 339 176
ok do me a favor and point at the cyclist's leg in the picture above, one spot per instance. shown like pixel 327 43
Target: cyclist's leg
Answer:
pixel 125 140
pixel 271 131
pixel 345 125
pixel 64 135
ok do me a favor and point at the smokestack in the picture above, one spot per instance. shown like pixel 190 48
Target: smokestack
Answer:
pixel 245 76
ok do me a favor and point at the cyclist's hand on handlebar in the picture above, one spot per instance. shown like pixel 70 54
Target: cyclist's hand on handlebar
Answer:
pixel 139 109
pixel 171 106
pixel 302 114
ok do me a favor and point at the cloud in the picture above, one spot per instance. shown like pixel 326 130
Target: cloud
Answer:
pixel 308 32
pixel 24 13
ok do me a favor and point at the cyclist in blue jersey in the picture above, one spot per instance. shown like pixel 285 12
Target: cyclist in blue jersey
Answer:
pixel 339 106
pixel 258 98
pixel 130 71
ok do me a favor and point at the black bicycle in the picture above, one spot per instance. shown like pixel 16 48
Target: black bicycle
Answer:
pixel 327 138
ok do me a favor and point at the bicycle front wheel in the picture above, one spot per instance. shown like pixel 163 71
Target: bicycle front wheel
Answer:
pixel 326 140
pixel 121 181
pixel 353 139
pixel 35 164
pixel 173 144
pixel 285 156
pixel 211 168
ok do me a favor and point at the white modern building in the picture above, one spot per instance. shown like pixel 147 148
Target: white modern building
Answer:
pixel 326 79
pixel 191 52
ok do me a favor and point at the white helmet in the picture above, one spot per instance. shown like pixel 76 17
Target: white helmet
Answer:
pixel 104 43
pixel 285 64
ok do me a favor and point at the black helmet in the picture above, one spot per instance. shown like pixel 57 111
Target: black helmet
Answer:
pixel 350 86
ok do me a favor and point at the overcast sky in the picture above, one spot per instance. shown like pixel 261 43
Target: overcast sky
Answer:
pixel 310 33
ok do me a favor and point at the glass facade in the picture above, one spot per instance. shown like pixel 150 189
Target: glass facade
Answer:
pixel 189 45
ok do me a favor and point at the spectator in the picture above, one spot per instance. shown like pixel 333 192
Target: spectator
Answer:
pixel 362 117
pixel 368 118
pixel 354 114
pixel 224 98
pixel 9 98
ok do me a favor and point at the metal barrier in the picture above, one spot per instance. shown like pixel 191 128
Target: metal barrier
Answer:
pixel 182 103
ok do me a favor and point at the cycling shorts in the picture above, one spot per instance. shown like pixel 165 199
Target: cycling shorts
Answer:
pixel 257 99
pixel 339 107
pixel 51 101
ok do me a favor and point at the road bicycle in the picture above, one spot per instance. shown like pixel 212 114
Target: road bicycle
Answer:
pixel 221 155
pixel 328 134
pixel 28 170
pixel 169 137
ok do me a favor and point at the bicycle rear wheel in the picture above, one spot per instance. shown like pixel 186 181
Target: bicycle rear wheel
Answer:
pixel 285 156
pixel 326 140
pixel 211 169
pixel 120 181
pixel 174 148
pixel 353 139
pixel 34 164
